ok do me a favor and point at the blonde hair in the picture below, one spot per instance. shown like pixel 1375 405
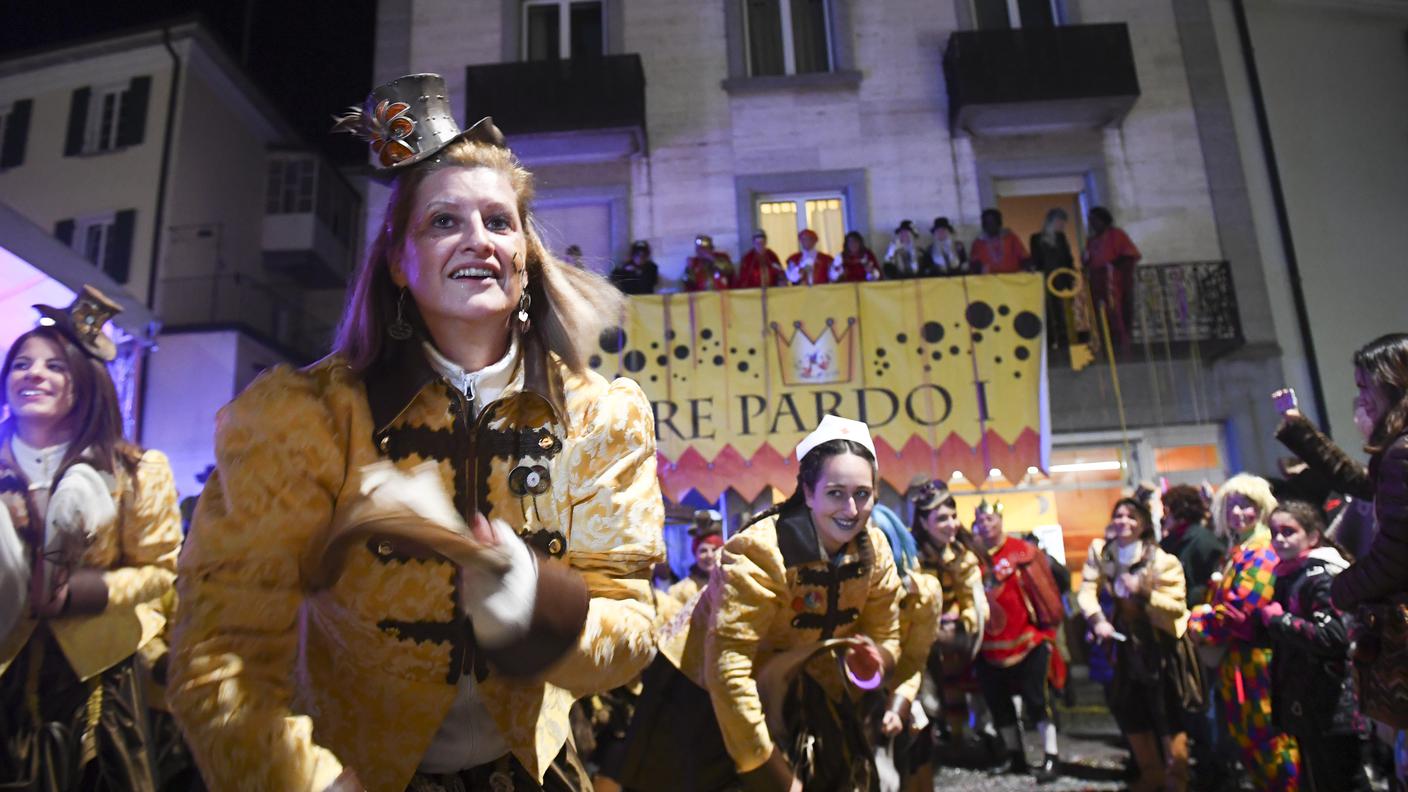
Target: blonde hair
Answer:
pixel 569 306
pixel 1254 488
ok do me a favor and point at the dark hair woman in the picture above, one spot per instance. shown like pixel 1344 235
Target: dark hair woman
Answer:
pixel 855 264
pixel 1312 698
pixel 89 534
pixel 804 579
pixel 948 550
pixel 1157 677
pixel 440 530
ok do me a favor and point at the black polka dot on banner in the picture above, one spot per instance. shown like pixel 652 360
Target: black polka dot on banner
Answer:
pixel 979 315
pixel 718 360
pixel 752 351
pixel 933 332
pixel 669 335
pixel 1022 353
pixel 928 368
pixel 594 361
pixel 1016 375
pixel 880 352
pixel 954 350
pixel 1003 310
pixel 634 361
pixel 742 365
pixel 682 352
pixel 654 344
pixel 997 328
pixel 654 378
pixel 613 340
pixel 706 334
pixel 662 360
pixel 733 350
pixel 997 359
pixel 887 364
pixel 1027 325
pixel 938 355
pixel 977 337
pixel 902 338
pixel 920 350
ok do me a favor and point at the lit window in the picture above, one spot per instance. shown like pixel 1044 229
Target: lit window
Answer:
pixel 787 36
pixel 563 29
pixel 782 217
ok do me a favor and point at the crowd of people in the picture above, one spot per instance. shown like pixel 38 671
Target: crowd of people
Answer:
pixel 425 563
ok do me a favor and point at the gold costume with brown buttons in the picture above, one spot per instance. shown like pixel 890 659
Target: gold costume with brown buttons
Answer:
pixel 279 686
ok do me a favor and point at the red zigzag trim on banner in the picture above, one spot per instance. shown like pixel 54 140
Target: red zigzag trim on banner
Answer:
pixel 749 477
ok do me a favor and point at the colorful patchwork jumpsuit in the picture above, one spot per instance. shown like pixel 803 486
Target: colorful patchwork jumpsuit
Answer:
pixel 1270 757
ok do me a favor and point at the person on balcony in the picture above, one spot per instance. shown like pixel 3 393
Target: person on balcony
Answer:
pixel 902 258
pixel 760 266
pixel 413 555
pixel 997 250
pixel 803 266
pixel 708 269
pixel 856 264
pixel 637 274
pixel 946 256
pixel 89 533
pixel 1051 252
pixel 1110 256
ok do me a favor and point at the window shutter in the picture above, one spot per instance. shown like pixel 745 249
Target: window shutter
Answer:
pixel 63 231
pixel 117 259
pixel 16 133
pixel 77 121
pixel 133 124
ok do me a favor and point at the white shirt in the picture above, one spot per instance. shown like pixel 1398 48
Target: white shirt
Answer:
pixel 39 465
pixel 468 736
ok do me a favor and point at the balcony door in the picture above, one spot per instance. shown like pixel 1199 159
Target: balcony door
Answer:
pixel 1005 14
pixel 563 29
pixel 782 217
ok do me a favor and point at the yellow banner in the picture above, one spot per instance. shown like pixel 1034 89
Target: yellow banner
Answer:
pixel 946 371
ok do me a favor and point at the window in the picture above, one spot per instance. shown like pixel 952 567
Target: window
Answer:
pixel 108 117
pixel 290 187
pixel 1004 14
pixel 782 217
pixel 563 29
pixel 787 36
pixel 105 240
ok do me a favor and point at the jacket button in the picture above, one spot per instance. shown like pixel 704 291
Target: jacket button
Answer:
pixel 384 443
pixel 383 548
pixel 555 547
pixel 545 442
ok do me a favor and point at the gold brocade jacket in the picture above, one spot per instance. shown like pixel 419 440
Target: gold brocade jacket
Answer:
pixel 921 602
pixel 961 575
pixel 279 686
pixel 1161 584
pixel 775 590
pixel 138 556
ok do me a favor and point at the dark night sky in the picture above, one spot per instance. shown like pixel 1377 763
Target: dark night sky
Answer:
pixel 312 57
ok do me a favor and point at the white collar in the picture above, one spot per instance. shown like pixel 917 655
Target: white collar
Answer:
pixel 482 386
pixel 39 465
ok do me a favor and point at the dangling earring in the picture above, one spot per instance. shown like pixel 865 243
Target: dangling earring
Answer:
pixel 400 330
pixel 524 303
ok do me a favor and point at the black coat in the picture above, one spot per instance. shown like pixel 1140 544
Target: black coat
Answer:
pixel 1201 553
pixel 1045 259
pixel 636 280
pixel 1309 659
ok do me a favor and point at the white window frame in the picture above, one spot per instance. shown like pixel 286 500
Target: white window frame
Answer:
pixel 789 45
pixel 800 199
pixel 93 140
pixel 81 227
pixel 287 162
pixel 564 26
pixel 1014 14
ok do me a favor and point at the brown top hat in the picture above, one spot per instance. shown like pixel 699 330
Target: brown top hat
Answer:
pixel 82 322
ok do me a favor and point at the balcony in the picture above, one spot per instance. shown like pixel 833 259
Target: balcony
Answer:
pixel 564 110
pixel 1181 311
pixel 273 315
pixel 1040 79
pixel 310 218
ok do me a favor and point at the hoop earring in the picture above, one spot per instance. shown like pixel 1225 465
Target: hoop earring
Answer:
pixel 400 330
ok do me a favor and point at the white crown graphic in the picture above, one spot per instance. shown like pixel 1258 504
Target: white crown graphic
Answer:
pixel 824 359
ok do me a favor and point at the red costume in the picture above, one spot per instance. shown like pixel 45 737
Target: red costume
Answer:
pixel 1110 258
pixel 995 256
pixel 1010 631
pixel 854 269
pixel 705 274
pixel 750 270
pixel 799 277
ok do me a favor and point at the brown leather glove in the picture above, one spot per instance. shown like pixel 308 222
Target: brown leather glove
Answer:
pixel 774 775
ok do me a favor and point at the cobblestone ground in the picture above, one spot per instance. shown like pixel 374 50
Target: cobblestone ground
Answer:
pixel 1090 755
